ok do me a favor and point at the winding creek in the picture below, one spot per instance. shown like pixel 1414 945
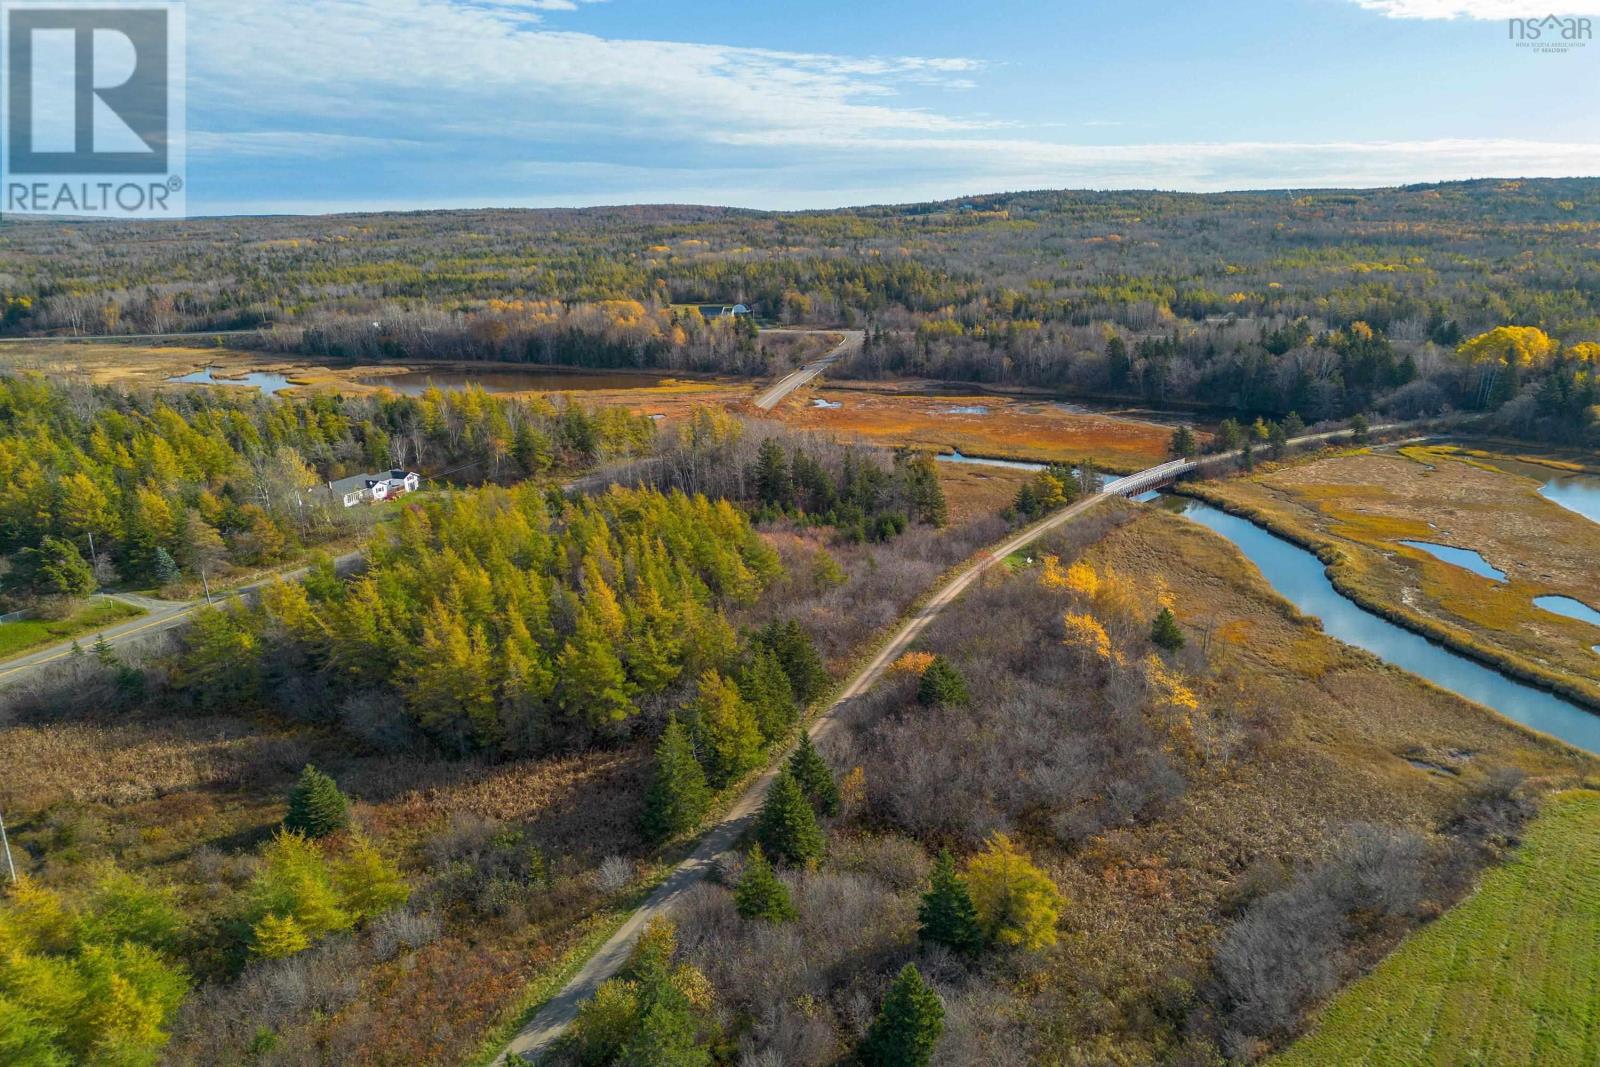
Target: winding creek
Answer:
pixel 1300 578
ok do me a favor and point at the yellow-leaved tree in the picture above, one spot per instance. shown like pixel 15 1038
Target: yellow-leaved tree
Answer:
pixel 1017 903
pixel 1521 345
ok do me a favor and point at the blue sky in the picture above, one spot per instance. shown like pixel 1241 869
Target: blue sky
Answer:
pixel 331 105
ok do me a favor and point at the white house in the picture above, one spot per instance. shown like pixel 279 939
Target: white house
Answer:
pixel 374 487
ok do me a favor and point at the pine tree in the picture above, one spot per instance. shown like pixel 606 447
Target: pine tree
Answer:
pixel 765 687
pixel 941 684
pixel 759 894
pixel 1165 633
pixel 1183 442
pixel 316 807
pixel 678 795
pixel 787 827
pixel 908 1026
pixel 947 914
pixel 774 486
pixel 798 654
pixel 814 777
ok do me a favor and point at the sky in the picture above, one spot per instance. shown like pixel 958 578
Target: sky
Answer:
pixel 341 105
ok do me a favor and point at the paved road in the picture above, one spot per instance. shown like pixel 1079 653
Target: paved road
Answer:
pixel 536 1038
pixel 853 340
pixel 162 615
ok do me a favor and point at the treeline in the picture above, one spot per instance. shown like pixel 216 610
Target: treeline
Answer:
pixel 148 487
pixel 1536 385
pixel 1457 257
pixel 501 620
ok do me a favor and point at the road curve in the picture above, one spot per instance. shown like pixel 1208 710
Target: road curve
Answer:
pixel 851 343
pixel 161 615
pixel 551 1020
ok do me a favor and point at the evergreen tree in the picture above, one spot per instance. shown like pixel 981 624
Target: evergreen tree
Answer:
pixel 666 1032
pixel 787 827
pixel 759 894
pixel 908 1026
pixel 941 684
pixel 947 914
pixel 1184 443
pixel 103 652
pixel 798 654
pixel 1165 632
pixel 815 778
pixel 766 689
pixel 1293 425
pixel 316 807
pixel 774 486
pixel 165 567
pixel 726 732
pixel 678 796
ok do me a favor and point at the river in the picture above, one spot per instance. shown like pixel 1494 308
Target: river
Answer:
pixel 1300 578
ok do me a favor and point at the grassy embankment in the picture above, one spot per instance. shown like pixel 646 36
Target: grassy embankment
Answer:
pixel 1353 508
pixel 27 634
pixel 1509 977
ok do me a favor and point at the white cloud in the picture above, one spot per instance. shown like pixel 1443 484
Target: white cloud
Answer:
pixel 481 97
pixel 1479 9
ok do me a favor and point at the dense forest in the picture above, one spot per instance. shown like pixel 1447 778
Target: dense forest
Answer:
pixel 1325 302
pixel 101 487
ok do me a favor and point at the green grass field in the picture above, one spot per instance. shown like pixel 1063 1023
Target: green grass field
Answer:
pixel 19 637
pixel 1511 976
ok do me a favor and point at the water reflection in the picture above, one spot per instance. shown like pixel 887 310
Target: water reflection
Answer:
pixel 1465 558
pixel 269 382
pixel 1299 577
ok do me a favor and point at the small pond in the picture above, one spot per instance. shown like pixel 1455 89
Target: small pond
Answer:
pixel 1459 557
pixel 268 382
pixel 1572 609
pixel 829 405
pixel 967 409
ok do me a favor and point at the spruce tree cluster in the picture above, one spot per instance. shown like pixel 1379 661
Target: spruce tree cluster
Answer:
pixel 797 654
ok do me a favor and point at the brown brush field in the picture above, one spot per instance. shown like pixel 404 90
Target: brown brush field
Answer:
pixel 1012 428
pixel 1317 736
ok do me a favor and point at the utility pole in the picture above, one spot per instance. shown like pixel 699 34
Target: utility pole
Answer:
pixel 4 841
